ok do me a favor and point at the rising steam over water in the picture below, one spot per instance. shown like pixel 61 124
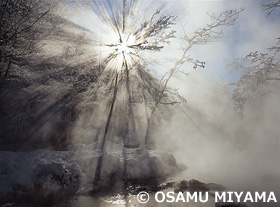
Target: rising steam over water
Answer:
pixel 106 76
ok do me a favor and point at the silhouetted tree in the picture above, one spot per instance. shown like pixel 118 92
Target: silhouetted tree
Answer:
pixel 22 25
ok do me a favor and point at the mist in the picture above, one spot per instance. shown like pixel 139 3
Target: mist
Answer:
pixel 214 142
pixel 111 100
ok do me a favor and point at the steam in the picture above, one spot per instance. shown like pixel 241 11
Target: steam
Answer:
pixel 205 133
pixel 213 141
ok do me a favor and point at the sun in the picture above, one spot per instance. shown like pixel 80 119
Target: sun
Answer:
pixel 122 47
pixel 123 51
pixel 122 38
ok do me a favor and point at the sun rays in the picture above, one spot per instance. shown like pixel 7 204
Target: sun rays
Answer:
pixel 124 33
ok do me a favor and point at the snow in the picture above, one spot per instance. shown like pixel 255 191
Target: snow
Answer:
pixel 22 171
pixel 74 169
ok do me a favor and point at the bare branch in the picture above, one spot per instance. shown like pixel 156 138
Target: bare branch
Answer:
pixel 270 7
pixel 257 70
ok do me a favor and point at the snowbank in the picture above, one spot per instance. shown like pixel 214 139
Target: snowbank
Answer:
pixel 46 170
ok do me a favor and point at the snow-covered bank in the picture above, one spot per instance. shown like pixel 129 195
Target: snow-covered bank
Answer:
pixel 41 171
pixel 46 171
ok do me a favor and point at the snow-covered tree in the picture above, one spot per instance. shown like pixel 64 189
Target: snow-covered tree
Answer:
pixel 22 25
pixel 113 94
pixel 134 90
pixel 258 71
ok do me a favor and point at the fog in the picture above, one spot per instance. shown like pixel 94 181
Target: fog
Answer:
pixel 214 142
pixel 135 100
pixel 205 133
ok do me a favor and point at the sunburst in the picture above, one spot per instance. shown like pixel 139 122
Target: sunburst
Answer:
pixel 127 34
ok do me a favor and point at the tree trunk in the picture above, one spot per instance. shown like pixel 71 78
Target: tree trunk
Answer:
pixel 5 75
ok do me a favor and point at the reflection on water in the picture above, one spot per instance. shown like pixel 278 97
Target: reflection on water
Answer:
pixel 127 197
pixel 117 200
pixel 131 201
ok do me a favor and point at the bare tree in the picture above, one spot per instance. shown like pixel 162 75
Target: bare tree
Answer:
pixel 258 70
pixel 131 83
pixel 201 36
pixel 22 24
